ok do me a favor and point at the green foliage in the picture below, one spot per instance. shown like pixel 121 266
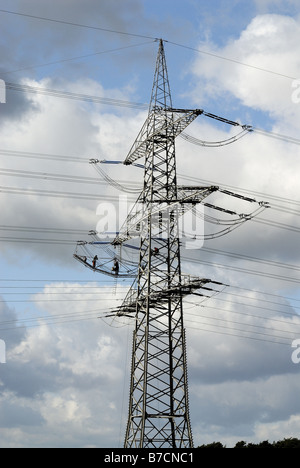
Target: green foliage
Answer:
pixel 214 445
pixel 285 443
pixel 288 443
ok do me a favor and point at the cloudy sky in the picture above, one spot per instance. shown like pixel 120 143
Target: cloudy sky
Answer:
pixel 66 377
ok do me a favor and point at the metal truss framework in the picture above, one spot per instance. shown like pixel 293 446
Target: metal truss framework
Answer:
pixel 159 405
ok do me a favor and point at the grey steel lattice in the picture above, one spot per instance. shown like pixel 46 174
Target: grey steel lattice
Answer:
pixel 159 406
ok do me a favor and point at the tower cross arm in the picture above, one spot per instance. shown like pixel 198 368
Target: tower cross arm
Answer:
pixel 186 195
pixel 194 195
pixel 161 295
pixel 175 121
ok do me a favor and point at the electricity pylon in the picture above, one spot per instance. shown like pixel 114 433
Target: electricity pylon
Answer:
pixel 159 404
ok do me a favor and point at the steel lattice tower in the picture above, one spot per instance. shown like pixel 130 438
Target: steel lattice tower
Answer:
pixel 159 406
pixel 158 402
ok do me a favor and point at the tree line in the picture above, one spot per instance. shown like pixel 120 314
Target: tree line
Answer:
pixel 285 443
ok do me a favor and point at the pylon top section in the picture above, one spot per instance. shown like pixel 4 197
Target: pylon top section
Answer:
pixel 163 121
pixel 161 93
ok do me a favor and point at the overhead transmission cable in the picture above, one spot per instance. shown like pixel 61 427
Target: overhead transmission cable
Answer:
pixel 97 197
pixel 133 188
pixel 56 319
pixel 74 96
pixel 79 25
pixel 254 334
pixel 51 241
pixel 80 57
pixel 132 34
pixel 214 144
pixel 103 292
pixel 85 160
pixel 129 189
pixel 273 135
pixel 134 185
pixel 142 106
pixel 105 283
pixel 238 62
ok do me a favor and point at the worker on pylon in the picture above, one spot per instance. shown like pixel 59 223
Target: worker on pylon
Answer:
pixel 94 261
pixel 116 266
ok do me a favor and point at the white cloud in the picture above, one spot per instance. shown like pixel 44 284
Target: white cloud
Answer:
pixel 67 381
pixel 273 431
pixel 239 387
pixel 67 378
pixel 68 128
pixel 269 42
pixel 258 410
pixel 264 6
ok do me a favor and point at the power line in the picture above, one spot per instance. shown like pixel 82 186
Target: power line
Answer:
pixel 79 25
pixel 277 224
pixel 277 136
pixel 97 28
pixel 57 300
pixel 276 311
pixel 85 160
pixel 88 196
pixel 22 240
pixel 55 194
pixel 83 292
pixel 239 256
pixel 85 316
pixel 265 301
pixel 241 190
pixel 142 106
pixel 54 318
pixel 65 178
pixel 77 232
pixel 256 334
pixel 105 283
pixel 238 62
pixel 238 336
pixel 254 316
pixel 217 319
pixel 264 293
pixel 80 57
pixel 86 291
pixel 242 331
pixel 44 156
pixel 248 271
pixel 74 317
pixel 136 186
pixel 247 129
pixel 89 180
pixel 74 96
pixel 45 229
pixel 61 290
pixel 73 284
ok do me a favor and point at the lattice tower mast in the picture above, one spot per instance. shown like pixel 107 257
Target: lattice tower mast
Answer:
pixel 159 406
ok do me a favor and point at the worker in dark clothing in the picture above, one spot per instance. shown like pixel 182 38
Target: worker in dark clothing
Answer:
pixel 94 261
pixel 116 266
